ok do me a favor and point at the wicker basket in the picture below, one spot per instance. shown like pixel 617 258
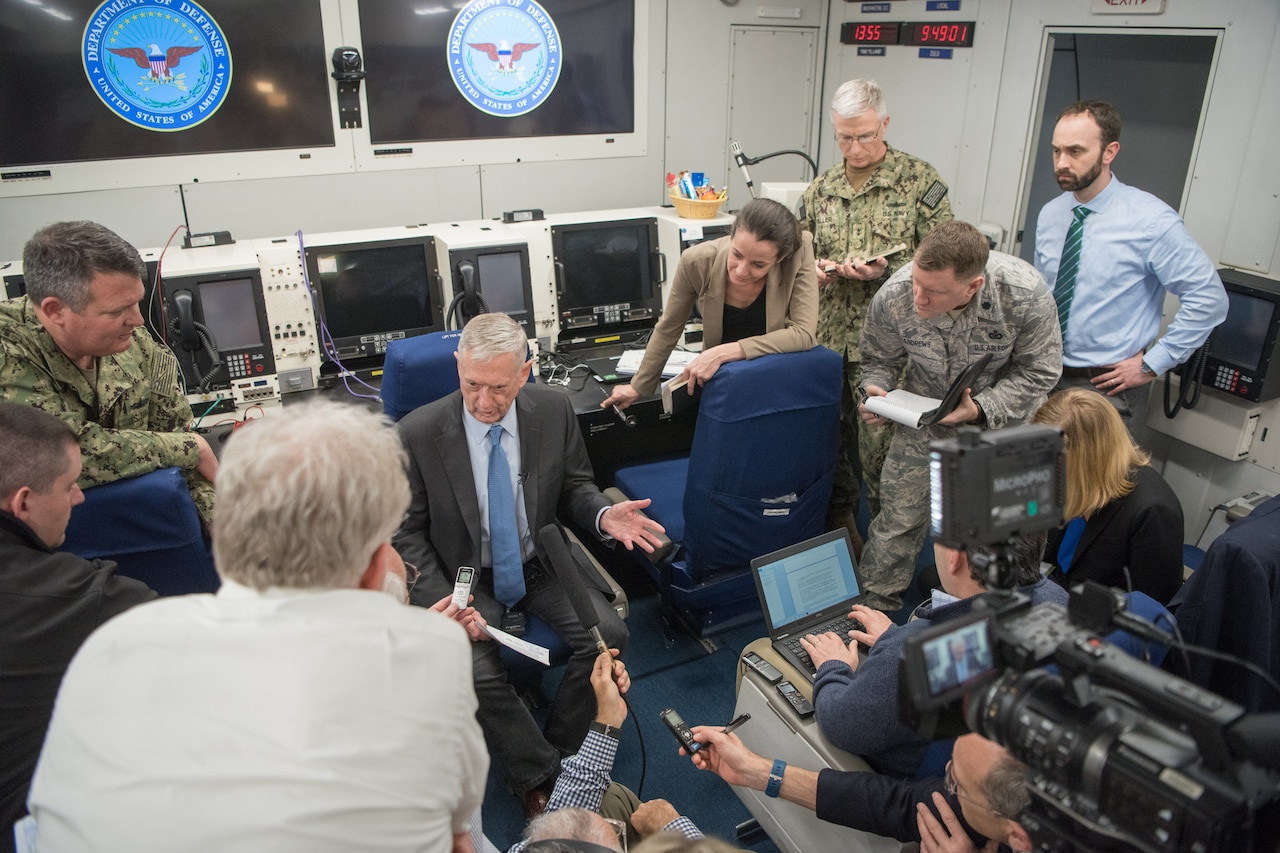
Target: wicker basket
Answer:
pixel 692 208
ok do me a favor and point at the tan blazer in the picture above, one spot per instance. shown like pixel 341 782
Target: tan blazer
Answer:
pixel 791 307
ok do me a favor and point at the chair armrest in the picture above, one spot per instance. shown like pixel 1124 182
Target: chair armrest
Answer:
pixel 663 551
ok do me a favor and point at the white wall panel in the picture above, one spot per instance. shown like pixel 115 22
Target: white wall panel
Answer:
pixel 145 216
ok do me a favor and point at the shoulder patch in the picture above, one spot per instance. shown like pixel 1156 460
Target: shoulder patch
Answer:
pixel 164 371
pixel 933 196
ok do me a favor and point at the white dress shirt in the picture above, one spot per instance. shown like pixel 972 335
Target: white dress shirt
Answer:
pixel 277 721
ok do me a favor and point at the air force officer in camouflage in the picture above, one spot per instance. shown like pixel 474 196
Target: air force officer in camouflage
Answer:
pixel 72 347
pixel 954 303
pixel 874 199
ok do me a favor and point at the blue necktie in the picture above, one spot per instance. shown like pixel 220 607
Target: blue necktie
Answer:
pixel 1065 287
pixel 504 539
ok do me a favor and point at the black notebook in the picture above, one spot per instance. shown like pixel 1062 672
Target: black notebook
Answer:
pixel 915 410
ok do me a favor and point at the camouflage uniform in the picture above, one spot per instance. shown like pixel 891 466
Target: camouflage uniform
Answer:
pixel 900 203
pixel 1012 316
pixel 134 422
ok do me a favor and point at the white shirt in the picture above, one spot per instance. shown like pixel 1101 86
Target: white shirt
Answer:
pixel 245 721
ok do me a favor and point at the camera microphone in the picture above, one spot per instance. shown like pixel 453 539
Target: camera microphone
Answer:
pixel 741 160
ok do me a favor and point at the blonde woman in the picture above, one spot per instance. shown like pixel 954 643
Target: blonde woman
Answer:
pixel 1124 523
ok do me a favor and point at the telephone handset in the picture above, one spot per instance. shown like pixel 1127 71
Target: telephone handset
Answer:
pixel 194 336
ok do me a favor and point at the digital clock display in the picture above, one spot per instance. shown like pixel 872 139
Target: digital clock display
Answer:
pixel 868 33
pixel 946 34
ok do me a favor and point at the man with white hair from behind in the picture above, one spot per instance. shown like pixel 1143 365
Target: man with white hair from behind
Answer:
pixel 299 707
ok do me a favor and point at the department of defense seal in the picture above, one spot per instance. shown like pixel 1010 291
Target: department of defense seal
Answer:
pixel 504 55
pixel 158 64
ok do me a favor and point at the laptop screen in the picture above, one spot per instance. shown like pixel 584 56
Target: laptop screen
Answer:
pixel 806 578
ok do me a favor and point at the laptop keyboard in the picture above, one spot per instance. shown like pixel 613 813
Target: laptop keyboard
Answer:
pixel 841 627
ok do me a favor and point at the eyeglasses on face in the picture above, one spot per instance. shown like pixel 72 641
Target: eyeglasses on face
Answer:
pixel 865 139
pixel 953 788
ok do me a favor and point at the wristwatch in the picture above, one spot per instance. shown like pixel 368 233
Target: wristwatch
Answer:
pixel 775 778
pixel 606 729
pixel 1146 368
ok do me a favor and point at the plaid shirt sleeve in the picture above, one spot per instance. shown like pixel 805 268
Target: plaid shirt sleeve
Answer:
pixel 585 777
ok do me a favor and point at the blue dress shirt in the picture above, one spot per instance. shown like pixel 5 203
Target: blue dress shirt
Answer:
pixel 1135 249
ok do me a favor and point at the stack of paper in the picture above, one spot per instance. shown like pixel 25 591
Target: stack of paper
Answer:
pixel 629 362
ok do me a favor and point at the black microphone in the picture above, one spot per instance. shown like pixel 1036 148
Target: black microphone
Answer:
pixel 565 567
pixel 741 160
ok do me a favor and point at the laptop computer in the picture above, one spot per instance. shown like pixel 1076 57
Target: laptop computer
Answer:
pixel 808 588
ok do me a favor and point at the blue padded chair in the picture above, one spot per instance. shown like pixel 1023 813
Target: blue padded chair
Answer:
pixel 420 370
pixel 417 371
pixel 757 478
pixel 149 526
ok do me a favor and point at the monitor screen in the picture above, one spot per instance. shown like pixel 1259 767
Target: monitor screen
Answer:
pixel 492 69
pixel 97 82
pixel 502 278
pixel 604 264
pixel 372 292
pixel 958 657
pixel 229 313
pixel 1240 339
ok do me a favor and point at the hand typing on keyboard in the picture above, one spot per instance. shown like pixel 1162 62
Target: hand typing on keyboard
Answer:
pixel 874 623
pixel 829 646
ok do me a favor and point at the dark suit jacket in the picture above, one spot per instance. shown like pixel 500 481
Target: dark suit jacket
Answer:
pixel 442 529
pixel 1232 604
pixel 1142 531
pixel 50 601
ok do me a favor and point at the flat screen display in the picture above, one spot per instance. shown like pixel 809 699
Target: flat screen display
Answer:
pixel 1241 337
pixel 502 281
pixel 230 314
pixel 277 95
pixel 445 71
pixel 604 264
pixel 373 290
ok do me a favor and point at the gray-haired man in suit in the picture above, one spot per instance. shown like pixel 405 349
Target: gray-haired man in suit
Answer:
pixel 456 450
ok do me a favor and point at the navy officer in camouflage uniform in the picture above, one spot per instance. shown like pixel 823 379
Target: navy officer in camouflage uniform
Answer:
pixel 874 199
pixel 72 347
pixel 955 302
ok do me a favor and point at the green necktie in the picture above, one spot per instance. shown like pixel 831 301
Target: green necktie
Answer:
pixel 1066 284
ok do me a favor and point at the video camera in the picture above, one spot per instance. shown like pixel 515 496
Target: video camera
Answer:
pixel 1121 755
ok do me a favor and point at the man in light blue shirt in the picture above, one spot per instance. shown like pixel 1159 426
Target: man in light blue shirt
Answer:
pixel 1134 248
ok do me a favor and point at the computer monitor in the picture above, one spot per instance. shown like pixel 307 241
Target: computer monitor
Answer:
pixel 607 277
pixel 369 293
pixel 220 313
pixel 1242 351
pixel 500 275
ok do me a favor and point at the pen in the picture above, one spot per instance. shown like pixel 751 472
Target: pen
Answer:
pixel 742 718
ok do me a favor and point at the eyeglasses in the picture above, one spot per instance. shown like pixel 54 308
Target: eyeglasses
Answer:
pixel 865 139
pixel 619 829
pixel 953 788
pixel 411 575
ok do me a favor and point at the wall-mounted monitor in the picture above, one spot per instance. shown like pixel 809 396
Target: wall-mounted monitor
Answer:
pixel 500 276
pixel 607 277
pixel 1242 351
pixel 98 95
pixel 369 293
pixel 503 80
pixel 216 324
